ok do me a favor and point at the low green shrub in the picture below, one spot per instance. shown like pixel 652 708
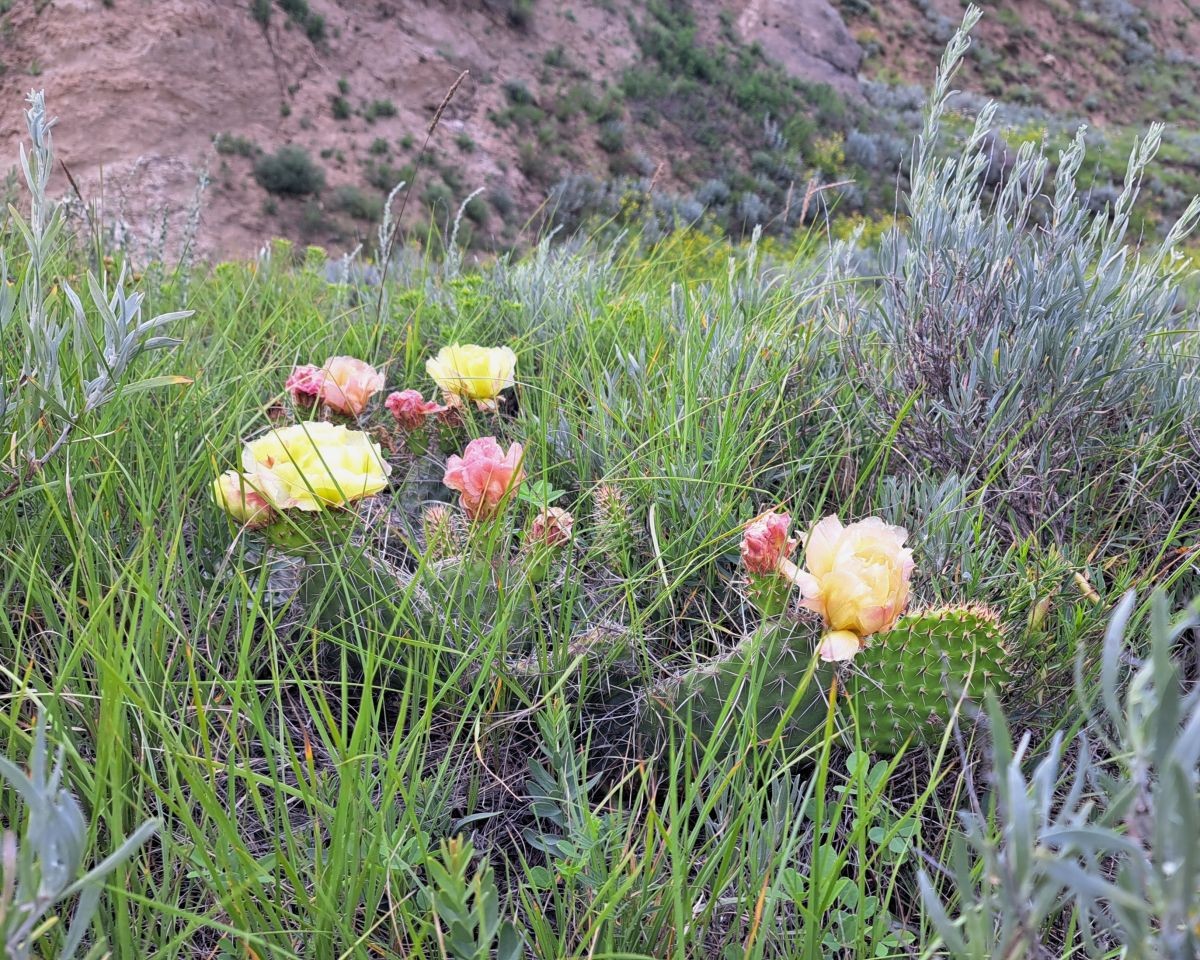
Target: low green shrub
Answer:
pixel 289 171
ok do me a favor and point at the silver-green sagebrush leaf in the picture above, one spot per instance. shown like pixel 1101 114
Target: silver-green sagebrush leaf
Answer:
pixel 44 867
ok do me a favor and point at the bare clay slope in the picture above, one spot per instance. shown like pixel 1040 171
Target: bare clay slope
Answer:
pixel 143 87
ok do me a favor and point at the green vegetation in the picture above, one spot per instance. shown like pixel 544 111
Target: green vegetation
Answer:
pixel 379 108
pixel 298 12
pixel 407 726
pixel 228 144
pixel 289 171
pixel 357 203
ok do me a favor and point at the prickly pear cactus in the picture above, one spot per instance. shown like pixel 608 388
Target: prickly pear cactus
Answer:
pixel 903 682
pixel 477 592
pixel 761 675
pixel 900 685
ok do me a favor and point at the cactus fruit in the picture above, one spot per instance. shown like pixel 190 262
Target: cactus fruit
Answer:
pixel 905 682
pixel 763 672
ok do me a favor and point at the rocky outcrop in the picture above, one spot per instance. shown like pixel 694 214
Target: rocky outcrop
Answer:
pixel 808 38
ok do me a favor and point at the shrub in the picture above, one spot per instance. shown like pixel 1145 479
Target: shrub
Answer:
pixel 48 861
pixel 384 176
pixel 312 220
pixel 476 210
pixel 359 205
pixel 712 193
pixel 261 11
pixel 1034 346
pixel 533 162
pixel 289 171
pixel 502 201
pixel 437 197
pixel 1108 837
pixel 313 24
pixel 340 108
pixel 520 13
pixel 66 370
pixel 517 92
pixel 229 144
pixel 379 108
pixel 612 137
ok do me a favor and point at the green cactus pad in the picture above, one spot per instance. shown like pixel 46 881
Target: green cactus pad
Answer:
pixel 902 682
pixel 762 673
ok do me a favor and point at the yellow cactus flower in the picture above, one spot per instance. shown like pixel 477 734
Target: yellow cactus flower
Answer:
pixel 315 464
pixel 473 372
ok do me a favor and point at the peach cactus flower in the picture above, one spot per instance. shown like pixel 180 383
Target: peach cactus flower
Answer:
pixel 233 493
pixel 410 408
pixel 765 542
pixel 857 578
pixel 552 526
pixel 304 384
pixel 838 645
pixel 349 384
pixel 484 475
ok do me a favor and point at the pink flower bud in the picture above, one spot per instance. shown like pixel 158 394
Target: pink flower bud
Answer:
pixel 484 475
pixel 410 409
pixel 765 542
pixel 552 527
pixel 304 384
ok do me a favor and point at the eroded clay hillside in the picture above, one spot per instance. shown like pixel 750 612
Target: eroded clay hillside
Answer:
pixel 304 114
pixel 151 93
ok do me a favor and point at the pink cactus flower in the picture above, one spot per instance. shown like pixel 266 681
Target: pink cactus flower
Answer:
pixel 349 384
pixel 410 408
pixel 765 542
pixel 552 527
pixel 484 475
pixel 304 384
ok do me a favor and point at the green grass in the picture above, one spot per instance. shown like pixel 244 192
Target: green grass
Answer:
pixel 306 761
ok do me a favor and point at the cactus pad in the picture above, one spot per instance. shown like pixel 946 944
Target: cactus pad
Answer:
pixel 903 682
pixel 761 673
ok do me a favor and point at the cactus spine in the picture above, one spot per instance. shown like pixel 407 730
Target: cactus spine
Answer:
pixel 905 684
